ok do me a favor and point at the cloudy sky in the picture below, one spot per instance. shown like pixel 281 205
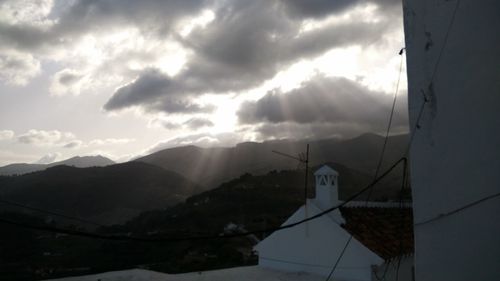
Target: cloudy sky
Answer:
pixel 123 77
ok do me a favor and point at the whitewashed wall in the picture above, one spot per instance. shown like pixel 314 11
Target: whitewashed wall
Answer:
pixel 455 157
pixel 314 247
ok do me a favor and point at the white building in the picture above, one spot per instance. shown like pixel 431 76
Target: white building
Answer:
pixel 315 246
pixel 453 59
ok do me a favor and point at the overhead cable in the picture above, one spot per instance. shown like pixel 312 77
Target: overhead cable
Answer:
pixel 19 205
pixel 380 160
pixel 457 210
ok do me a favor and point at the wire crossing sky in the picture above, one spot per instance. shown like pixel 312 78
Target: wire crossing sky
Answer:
pixel 126 78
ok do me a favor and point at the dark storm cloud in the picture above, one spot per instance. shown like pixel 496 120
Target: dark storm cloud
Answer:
pixel 246 44
pixel 152 15
pixel 182 106
pixel 249 43
pixel 334 36
pixel 193 124
pixel 155 92
pixel 315 8
pixel 323 105
pixel 68 78
pixel 196 123
pixel 170 125
pixel 24 37
pixel 73 144
pixel 319 9
pixel 289 130
pixel 85 16
pixel 149 85
pixel 158 16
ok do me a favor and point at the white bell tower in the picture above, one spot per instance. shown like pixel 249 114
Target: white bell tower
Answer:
pixel 327 187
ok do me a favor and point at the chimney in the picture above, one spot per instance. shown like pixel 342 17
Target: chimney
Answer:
pixel 327 194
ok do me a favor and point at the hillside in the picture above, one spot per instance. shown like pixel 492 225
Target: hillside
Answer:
pixel 104 194
pixel 78 161
pixel 249 201
pixel 212 166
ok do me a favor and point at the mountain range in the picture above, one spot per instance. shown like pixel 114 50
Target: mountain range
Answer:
pixel 212 166
pixel 110 194
pixel 77 161
pixel 116 193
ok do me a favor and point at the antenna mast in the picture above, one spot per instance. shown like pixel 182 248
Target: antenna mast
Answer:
pixel 302 160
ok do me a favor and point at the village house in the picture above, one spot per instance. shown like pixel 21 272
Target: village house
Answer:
pixel 381 243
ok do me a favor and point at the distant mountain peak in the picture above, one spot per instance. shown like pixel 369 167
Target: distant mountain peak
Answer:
pixel 212 166
pixel 76 161
pixel 85 161
pixel 102 193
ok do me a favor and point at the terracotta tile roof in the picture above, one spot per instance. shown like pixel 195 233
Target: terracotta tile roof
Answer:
pixel 381 229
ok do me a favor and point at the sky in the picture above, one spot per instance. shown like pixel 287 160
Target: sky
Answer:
pixel 124 78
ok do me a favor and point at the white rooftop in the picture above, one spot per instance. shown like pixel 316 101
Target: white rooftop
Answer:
pixel 248 273
pixel 326 170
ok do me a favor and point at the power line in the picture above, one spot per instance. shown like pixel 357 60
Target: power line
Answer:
pixel 400 255
pixel 305 264
pixel 307 174
pixel 380 160
pixel 450 25
pixel 464 207
pixel 19 205
pixel 389 124
pixel 302 160
pixel 403 184
pixel 294 262
pixel 433 75
pixel 193 238
pixel 339 258
pixel 401 226
pixel 290 156
pixel 417 124
pixel 426 100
